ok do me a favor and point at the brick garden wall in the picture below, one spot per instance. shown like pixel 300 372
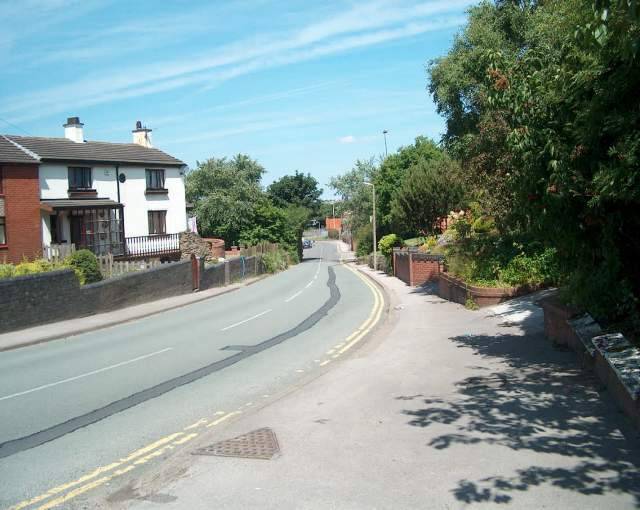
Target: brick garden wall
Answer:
pixel 414 267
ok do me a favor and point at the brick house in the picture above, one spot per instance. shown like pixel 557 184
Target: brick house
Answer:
pixel 20 227
pixel 127 199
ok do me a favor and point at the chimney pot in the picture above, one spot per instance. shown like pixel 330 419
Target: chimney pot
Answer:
pixel 142 135
pixel 73 130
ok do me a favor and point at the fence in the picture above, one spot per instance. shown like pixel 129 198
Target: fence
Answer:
pixel 58 252
pixel 110 267
pixel 152 246
pixel 253 251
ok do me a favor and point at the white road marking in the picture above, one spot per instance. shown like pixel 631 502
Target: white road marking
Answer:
pixel 293 297
pixel 247 320
pixel 93 372
pixel 315 277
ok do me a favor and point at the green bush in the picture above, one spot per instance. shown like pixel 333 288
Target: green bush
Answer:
pixel 387 244
pixel 537 269
pixel 483 225
pixel 364 240
pixel 275 261
pixel 333 234
pixel 7 271
pixel 85 264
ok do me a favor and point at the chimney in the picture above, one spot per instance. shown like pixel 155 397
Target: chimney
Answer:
pixel 142 135
pixel 73 130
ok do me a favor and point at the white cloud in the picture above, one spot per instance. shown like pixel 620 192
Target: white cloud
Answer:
pixel 347 139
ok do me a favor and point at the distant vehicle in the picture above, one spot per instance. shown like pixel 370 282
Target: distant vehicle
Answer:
pixel 307 243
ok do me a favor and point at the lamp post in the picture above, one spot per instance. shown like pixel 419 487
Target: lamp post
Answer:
pixel 385 142
pixel 375 241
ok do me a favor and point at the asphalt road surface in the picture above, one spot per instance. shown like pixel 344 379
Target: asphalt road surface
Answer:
pixel 83 411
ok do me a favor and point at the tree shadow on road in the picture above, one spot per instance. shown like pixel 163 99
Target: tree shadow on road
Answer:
pixel 542 402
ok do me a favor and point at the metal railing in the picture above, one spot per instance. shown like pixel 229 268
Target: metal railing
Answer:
pixel 152 246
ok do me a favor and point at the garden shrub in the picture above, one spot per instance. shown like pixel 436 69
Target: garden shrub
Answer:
pixel 387 244
pixel 276 261
pixel 430 243
pixel 364 239
pixel 333 234
pixel 7 271
pixel 85 264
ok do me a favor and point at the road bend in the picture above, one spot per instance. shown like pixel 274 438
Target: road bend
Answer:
pixel 83 411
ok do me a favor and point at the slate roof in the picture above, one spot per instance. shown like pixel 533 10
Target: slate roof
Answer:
pixel 9 153
pixel 62 149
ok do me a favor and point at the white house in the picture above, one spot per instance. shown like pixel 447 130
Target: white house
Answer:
pixel 123 198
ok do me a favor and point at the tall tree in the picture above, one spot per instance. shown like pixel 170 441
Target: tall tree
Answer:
pixel 225 194
pixel 297 189
pixel 390 174
pixel 429 190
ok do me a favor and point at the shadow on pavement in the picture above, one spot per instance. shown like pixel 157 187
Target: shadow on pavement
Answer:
pixel 542 402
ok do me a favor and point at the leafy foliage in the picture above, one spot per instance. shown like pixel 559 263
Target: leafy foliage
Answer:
pixel 542 110
pixel 429 190
pixel 387 244
pixel 298 189
pixel 85 264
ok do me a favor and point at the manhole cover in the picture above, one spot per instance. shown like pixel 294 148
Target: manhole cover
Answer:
pixel 257 444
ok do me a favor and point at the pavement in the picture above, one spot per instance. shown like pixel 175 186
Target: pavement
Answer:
pixel 67 328
pixel 89 412
pixel 442 407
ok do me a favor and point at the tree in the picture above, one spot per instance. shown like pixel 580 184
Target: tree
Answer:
pixel 392 170
pixel 225 194
pixel 298 189
pixel 542 109
pixel 355 196
pixel 429 190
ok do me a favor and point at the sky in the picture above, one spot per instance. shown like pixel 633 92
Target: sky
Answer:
pixel 297 85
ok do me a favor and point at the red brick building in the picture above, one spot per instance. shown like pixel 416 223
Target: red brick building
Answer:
pixel 20 224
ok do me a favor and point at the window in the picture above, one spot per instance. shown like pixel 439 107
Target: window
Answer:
pixel 157 222
pixel 155 179
pixel 80 177
pixel 3 231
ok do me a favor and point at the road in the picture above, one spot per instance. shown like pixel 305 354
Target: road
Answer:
pixel 75 411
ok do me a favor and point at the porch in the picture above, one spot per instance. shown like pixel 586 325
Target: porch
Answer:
pixel 93 224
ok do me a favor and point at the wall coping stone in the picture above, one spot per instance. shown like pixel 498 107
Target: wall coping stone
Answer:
pixel 133 274
pixel 586 328
pixel 624 359
pixel 35 276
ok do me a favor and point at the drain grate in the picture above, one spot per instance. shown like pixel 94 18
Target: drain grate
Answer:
pixel 257 444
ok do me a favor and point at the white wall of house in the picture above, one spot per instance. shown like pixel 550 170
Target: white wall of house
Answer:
pixel 137 203
pixel 54 184
pixel 54 180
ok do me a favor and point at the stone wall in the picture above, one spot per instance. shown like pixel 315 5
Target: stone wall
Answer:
pixel 212 276
pixel 37 299
pixel 193 244
pixel 31 300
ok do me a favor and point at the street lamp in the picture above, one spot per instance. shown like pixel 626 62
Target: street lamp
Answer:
pixel 375 241
pixel 385 142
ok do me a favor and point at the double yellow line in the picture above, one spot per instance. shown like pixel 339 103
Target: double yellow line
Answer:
pixel 101 475
pixel 104 474
pixel 366 326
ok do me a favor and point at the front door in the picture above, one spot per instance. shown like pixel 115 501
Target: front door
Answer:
pixel 76 224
